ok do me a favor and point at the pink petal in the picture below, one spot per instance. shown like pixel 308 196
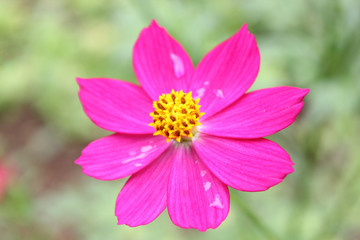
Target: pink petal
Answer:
pixel 160 62
pixel 197 199
pixel 144 195
pixel 257 114
pixel 116 105
pixel 246 165
pixel 5 175
pixel 118 155
pixel 226 72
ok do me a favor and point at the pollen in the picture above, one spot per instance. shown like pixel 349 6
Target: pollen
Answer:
pixel 176 115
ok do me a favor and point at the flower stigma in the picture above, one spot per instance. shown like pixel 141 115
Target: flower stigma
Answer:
pixel 176 116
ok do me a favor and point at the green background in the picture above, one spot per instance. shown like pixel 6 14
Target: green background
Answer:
pixel 45 44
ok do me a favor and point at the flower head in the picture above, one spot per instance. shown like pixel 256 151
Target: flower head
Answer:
pixel 5 178
pixel 176 115
pixel 181 155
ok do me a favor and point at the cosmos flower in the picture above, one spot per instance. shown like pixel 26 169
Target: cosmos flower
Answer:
pixel 181 156
pixel 4 179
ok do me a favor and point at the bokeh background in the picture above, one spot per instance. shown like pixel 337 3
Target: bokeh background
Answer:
pixel 45 44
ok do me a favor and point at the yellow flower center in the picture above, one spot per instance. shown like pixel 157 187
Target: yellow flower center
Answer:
pixel 176 115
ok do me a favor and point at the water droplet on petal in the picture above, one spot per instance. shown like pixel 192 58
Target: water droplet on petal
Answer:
pixel 138 164
pixel 219 93
pixel 146 148
pixel 202 172
pixel 140 156
pixel 217 202
pixel 179 70
pixel 207 186
pixel 206 83
pixel 200 92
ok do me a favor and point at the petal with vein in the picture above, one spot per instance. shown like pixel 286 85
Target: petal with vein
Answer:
pixel 257 114
pixel 119 155
pixel 144 195
pixel 160 62
pixel 244 164
pixel 226 72
pixel 196 198
pixel 116 105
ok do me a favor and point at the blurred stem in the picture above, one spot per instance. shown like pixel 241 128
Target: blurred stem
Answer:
pixel 267 232
pixel 297 216
pixel 303 184
pixel 334 220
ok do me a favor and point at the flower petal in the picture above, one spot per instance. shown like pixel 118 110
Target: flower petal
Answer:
pixel 116 105
pixel 196 199
pixel 226 72
pixel 5 177
pixel 118 155
pixel 144 195
pixel 160 62
pixel 257 114
pixel 247 164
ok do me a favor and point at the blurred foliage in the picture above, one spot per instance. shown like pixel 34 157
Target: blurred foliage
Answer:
pixel 45 44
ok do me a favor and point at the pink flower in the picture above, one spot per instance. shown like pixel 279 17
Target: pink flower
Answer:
pixel 4 179
pixel 182 157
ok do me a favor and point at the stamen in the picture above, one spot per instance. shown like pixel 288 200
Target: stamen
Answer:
pixel 160 106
